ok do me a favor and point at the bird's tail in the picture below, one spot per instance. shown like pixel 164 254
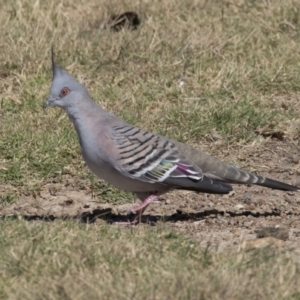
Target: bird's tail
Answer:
pixel 219 171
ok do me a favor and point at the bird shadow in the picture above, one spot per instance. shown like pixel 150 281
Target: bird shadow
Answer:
pixel 110 217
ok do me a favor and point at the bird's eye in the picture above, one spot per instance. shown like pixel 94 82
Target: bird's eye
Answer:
pixel 64 92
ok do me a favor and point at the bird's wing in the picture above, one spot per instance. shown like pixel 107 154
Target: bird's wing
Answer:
pixel 151 158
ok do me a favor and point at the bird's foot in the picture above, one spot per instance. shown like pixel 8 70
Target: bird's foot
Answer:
pixel 134 221
pixel 138 210
pixel 142 207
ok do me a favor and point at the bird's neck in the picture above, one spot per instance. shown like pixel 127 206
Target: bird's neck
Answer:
pixel 86 118
pixel 80 112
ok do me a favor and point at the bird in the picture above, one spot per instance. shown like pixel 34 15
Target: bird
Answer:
pixel 138 161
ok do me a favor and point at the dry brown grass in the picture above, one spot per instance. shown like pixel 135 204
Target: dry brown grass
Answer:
pixel 239 64
pixel 66 260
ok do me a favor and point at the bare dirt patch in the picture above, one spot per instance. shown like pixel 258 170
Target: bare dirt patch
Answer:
pixel 218 221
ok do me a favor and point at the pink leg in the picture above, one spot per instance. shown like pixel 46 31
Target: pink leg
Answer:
pixel 140 210
pixel 144 204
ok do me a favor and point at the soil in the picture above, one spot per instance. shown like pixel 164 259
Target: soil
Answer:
pixel 234 220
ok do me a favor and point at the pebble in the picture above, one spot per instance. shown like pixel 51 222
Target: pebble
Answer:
pixel 295 159
pixel 239 206
pixel 251 207
pixel 246 196
pixel 248 224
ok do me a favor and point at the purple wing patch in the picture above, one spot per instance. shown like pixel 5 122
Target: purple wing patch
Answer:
pixel 188 171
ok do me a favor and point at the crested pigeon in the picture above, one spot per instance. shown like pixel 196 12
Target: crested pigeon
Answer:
pixel 138 161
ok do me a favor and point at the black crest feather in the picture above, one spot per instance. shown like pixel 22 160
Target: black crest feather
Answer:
pixel 54 68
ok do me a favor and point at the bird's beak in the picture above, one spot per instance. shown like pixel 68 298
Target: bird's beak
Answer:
pixel 49 102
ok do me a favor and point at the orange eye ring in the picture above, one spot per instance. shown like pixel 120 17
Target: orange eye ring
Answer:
pixel 64 92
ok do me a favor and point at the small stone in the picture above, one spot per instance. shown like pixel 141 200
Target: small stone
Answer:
pixel 196 223
pixel 239 206
pixel 248 224
pixel 246 196
pixel 231 193
pixel 251 207
pixel 295 159
pixel 86 205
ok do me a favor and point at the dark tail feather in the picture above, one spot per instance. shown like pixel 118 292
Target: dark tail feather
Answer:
pixel 274 184
pixel 206 185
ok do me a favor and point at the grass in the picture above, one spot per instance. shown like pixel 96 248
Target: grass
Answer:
pixel 71 260
pixel 232 67
pixel 238 64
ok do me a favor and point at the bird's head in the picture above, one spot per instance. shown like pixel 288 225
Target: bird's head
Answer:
pixel 65 90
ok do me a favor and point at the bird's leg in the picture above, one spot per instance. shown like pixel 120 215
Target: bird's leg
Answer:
pixel 139 210
pixel 142 207
pixel 138 218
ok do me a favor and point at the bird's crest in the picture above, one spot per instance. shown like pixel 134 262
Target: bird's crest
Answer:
pixel 55 69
